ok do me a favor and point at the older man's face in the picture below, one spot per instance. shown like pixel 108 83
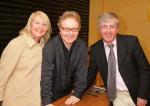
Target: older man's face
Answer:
pixel 108 31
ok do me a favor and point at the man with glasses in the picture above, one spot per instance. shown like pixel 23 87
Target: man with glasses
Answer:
pixel 64 63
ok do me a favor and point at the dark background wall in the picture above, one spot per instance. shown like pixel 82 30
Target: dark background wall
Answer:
pixel 15 13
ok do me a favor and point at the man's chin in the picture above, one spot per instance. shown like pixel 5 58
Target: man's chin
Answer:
pixel 70 41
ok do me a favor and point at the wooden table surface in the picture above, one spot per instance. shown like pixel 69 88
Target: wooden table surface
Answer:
pixel 99 99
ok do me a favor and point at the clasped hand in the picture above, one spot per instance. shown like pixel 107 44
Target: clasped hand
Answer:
pixel 72 100
pixel 69 101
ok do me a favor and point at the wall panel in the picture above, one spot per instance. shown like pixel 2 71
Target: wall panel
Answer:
pixel 14 15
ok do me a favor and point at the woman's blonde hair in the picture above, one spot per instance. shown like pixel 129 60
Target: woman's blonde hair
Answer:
pixel 27 28
pixel 70 14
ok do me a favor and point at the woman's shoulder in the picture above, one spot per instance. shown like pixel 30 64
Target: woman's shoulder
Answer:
pixel 14 47
pixel 16 42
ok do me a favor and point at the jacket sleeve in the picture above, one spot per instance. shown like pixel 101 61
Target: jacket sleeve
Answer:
pixel 144 70
pixel 8 62
pixel 92 69
pixel 46 74
pixel 80 81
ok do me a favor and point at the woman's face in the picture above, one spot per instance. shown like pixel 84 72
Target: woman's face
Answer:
pixel 38 28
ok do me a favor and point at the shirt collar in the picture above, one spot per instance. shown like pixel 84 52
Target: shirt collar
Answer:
pixel 30 42
pixel 114 42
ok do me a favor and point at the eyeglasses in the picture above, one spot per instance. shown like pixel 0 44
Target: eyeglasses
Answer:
pixel 70 29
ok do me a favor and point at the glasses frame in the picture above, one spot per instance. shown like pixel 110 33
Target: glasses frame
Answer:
pixel 74 30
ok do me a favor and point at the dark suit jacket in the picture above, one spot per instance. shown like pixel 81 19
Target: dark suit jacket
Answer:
pixel 132 63
pixel 56 80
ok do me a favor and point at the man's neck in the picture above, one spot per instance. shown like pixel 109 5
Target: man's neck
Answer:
pixel 68 46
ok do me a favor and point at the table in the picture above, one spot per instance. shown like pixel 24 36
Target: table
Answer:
pixel 100 99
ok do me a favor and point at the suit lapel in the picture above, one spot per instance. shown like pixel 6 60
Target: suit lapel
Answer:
pixel 121 50
pixel 60 47
pixel 102 54
pixel 102 61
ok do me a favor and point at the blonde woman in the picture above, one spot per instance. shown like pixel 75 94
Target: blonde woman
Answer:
pixel 20 64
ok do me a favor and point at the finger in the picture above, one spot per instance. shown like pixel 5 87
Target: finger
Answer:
pixel 74 102
pixel 68 101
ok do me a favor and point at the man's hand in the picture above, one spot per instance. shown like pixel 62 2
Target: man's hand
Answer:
pixel 141 102
pixel 49 105
pixel 72 100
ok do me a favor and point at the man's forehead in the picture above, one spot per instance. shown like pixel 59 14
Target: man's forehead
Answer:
pixel 108 23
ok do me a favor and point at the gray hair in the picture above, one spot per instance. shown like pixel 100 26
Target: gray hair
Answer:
pixel 107 17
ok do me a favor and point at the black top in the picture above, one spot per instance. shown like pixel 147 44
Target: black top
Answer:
pixel 67 54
